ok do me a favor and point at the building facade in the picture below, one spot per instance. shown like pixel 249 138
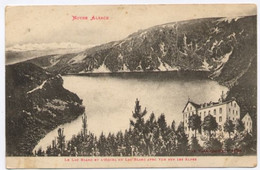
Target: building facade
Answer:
pixel 248 123
pixel 222 111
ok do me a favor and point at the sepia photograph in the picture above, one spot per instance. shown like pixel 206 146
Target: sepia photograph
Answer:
pixel 131 86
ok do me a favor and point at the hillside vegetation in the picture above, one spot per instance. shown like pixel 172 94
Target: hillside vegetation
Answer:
pixel 36 103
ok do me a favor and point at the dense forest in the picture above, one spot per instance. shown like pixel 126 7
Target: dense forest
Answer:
pixel 153 137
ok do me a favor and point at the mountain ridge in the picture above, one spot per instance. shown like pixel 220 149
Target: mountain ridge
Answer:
pixel 201 44
pixel 225 47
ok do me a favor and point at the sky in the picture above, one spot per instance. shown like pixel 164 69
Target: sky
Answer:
pixel 54 24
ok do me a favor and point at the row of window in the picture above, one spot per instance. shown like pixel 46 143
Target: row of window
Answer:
pixel 219 119
pixel 233 112
pixel 235 105
pixel 214 112
pixel 209 112
pixel 188 108
pixel 248 123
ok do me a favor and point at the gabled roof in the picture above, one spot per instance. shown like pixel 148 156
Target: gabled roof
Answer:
pixel 193 104
pixel 212 104
pixel 246 115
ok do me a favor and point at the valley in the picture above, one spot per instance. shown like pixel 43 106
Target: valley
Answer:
pixel 219 50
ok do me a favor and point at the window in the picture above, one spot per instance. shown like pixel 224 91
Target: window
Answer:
pixel 200 114
pixel 233 112
pixel 237 113
pixel 220 119
pixel 209 112
pixel 233 118
pixel 231 103
pixel 190 108
pixel 220 110
pixel 214 111
pixel 204 113
pixel 229 110
pixel 187 109
pixel 235 104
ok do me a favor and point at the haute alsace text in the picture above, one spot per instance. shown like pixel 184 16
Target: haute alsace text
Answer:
pixel 92 18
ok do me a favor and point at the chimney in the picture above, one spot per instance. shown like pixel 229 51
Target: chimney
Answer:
pixel 222 97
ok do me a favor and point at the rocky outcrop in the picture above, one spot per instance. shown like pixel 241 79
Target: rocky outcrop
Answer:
pixel 36 103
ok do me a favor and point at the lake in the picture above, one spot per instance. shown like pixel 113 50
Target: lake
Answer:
pixel 110 98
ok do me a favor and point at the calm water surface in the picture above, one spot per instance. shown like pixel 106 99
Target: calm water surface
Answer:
pixel 110 100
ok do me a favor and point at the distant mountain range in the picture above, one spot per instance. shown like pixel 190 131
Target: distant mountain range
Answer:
pixel 18 53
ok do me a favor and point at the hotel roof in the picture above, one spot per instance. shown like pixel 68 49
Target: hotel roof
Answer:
pixel 206 105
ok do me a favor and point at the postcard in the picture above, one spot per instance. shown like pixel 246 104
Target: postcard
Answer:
pixel 131 86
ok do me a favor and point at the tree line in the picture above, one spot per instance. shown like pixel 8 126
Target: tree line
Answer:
pixel 153 137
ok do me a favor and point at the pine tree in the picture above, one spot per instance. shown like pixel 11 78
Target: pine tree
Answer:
pixel 240 127
pixel 173 126
pixel 61 140
pixel 150 127
pixel 84 125
pixel 40 152
pixel 138 124
pixel 48 151
pixel 195 146
pixel 120 143
pixel 111 145
pixel 195 123
pixel 162 125
pixel 92 143
pixel 182 140
pixel 210 124
pixel 102 146
pixel 84 135
pixel 128 142
pixel 248 144
pixel 138 115
pixel 229 127
pixel 160 146
pixel 213 145
pixel 229 145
